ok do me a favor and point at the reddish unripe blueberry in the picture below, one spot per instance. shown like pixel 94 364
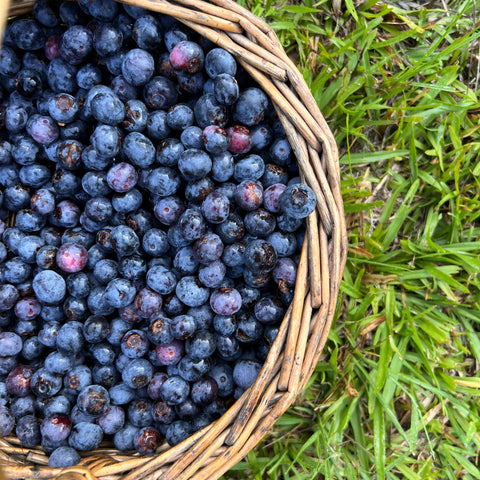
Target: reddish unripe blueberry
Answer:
pixel 43 129
pixel 72 257
pixel 249 195
pixel 56 428
pixel 148 302
pixel 240 139
pixel 146 441
pixel 272 196
pixel 18 380
pixel 153 388
pixel 122 177
pixel 187 57
pixel 216 207
pixel 285 272
pixel 226 301
pixel 170 354
pixel 52 47
pixel 27 308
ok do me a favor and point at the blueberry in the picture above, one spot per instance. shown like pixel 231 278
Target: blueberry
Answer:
pixel 108 109
pixel 169 354
pixel 112 420
pixel 128 201
pixel 122 89
pixel 191 292
pixel 183 326
pixel 177 432
pixel 137 373
pixel 97 303
pixel 289 224
pixel 76 44
pixel 134 344
pixel 107 39
pixel 59 362
pixel 121 394
pixel 161 280
pixel 16 118
pixel 204 391
pixel 223 375
pixel 45 14
pixel 106 141
pixel 119 292
pixel 147 32
pixel 49 287
pixel 191 224
pixel 132 267
pixel 138 149
pixel 63 457
pixel 9 62
pixel 163 181
pixel 298 201
pixel 124 438
pixel 249 329
pixel 28 431
pixel 225 301
pixel 225 89
pixel 28 82
pixel 174 390
pixel 157 127
pixel 209 112
pixel 124 240
pixel 140 413
pixel 159 331
pixel 72 257
pixel 212 275
pixel 45 384
pixel 262 136
pixel 93 400
pixel 66 214
pixel 61 76
pixel 146 440
pixel 222 167
pixel 85 436
pixel 219 61
pixel 77 379
pixel 174 36
pixel 187 56
pixel 245 373
pixel 16 271
pixel 192 137
pixel 56 428
pixel 7 421
pixel 63 107
pixel 208 248
pixel 251 167
pixel 160 93
pixel 184 262
pixel 260 223
pixel 27 34
pixel 88 75
pixel 155 242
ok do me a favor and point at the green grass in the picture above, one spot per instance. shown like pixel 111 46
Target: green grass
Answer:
pixel 396 395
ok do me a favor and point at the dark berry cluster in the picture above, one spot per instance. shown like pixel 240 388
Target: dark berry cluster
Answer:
pixel 157 223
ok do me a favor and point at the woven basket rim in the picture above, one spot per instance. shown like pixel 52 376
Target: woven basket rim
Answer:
pixel 303 333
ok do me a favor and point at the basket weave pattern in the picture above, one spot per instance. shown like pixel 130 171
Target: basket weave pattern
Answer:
pixel 212 451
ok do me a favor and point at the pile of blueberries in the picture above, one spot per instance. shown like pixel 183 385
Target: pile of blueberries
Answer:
pixel 151 219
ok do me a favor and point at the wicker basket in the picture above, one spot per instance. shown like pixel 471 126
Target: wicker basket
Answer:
pixel 212 451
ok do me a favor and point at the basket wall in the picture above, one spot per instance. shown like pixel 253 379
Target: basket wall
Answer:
pixel 212 451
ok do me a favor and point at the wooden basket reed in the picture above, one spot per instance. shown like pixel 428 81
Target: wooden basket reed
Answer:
pixel 210 452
